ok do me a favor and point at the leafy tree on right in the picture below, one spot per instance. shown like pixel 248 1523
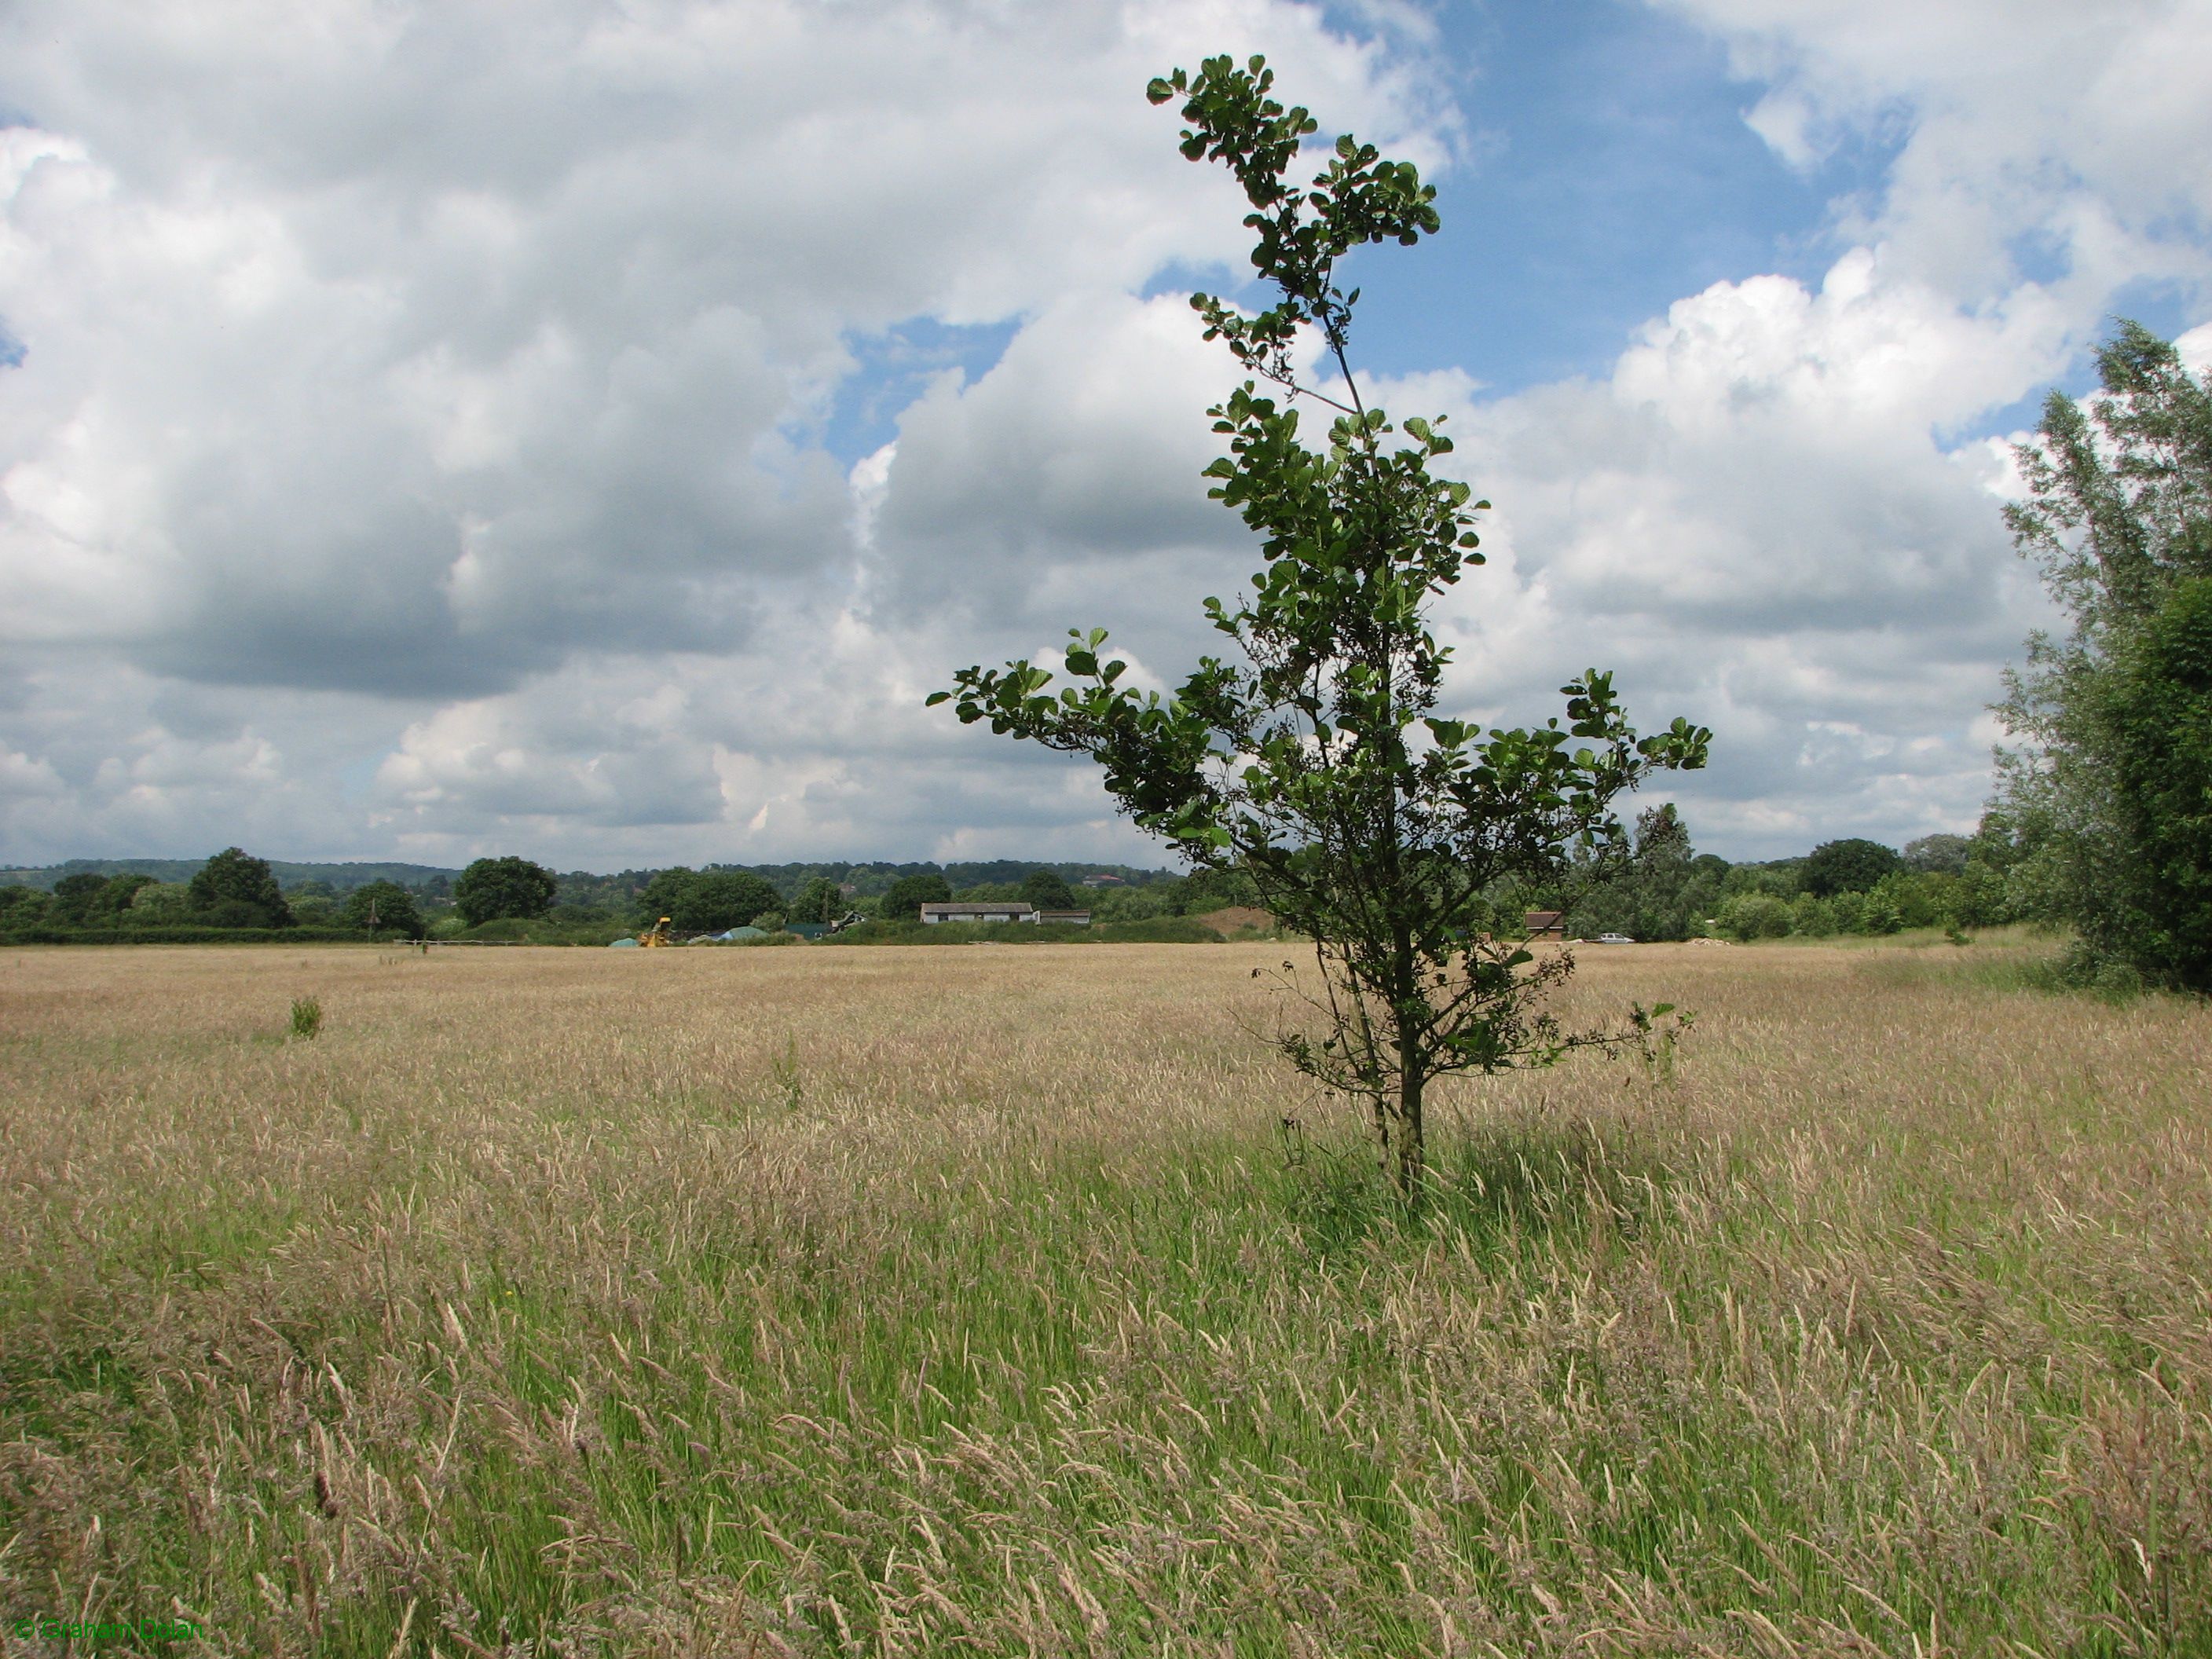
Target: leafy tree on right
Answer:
pixel 2109 791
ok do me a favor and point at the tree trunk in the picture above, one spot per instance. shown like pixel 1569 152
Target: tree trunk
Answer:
pixel 1412 1148
pixel 1382 1103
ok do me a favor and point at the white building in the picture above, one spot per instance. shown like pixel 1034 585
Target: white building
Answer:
pixel 987 910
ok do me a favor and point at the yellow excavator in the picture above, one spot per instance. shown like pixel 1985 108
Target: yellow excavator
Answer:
pixel 655 935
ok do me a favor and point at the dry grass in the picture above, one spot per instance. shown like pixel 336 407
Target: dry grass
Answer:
pixel 904 1301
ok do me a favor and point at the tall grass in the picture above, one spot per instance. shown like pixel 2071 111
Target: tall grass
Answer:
pixel 1006 1302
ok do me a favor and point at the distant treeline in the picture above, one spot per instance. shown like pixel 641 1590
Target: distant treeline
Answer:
pixel 238 897
pixel 1660 888
pixel 581 886
pixel 1663 889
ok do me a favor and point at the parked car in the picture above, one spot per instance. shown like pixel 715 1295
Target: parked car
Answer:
pixel 1613 938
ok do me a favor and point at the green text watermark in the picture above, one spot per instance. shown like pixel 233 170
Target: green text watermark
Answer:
pixel 106 1630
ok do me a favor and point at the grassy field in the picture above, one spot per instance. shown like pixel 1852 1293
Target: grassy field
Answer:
pixel 914 1302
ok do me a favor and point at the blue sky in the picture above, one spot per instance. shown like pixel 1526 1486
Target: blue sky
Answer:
pixel 1610 174
pixel 587 432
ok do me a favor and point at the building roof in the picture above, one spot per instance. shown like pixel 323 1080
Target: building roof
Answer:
pixel 980 907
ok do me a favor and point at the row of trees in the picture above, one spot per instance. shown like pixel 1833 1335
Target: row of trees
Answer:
pixel 231 890
pixel 1863 887
pixel 236 893
pixel 1659 887
pixel 1663 889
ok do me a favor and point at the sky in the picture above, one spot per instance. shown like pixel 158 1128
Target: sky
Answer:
pixel 431 428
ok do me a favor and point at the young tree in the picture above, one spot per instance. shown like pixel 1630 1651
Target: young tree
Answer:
pixel 235 889
pixel 491 889
pixel 1319 763
pixel 2108 794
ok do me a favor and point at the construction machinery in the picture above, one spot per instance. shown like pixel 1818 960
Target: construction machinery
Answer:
pixel 657 935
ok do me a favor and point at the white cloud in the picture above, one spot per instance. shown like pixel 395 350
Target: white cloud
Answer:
pixel 432 356
pixel 418 443
pixel 2081 131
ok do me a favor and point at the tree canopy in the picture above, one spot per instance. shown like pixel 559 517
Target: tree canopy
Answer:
pixel 1049 890
pixel 235 889
pixel 491 889
pixel 383 907
pixel 717 901
pixel 818 901
pixel 2108 793
pixel 1851 866
pixel 906 896
pixel 1318 760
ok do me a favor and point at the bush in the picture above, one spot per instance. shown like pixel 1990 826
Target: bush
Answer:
pixel 168 904
pixel 1754 915
pixel 1811 917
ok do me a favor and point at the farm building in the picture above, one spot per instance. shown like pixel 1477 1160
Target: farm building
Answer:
pixel 987 910
pixel 1545 924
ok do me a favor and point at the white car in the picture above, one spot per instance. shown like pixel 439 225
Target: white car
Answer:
pixel 1613 938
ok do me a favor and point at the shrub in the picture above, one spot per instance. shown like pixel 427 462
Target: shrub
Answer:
pixel 1811 917
pixel 1754 915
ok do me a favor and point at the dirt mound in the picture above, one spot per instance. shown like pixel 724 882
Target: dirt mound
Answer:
pixel 1236 918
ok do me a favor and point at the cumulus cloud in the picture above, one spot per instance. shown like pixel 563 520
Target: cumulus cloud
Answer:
pixel 417 422
pixel 2026 131
pixel 432 353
